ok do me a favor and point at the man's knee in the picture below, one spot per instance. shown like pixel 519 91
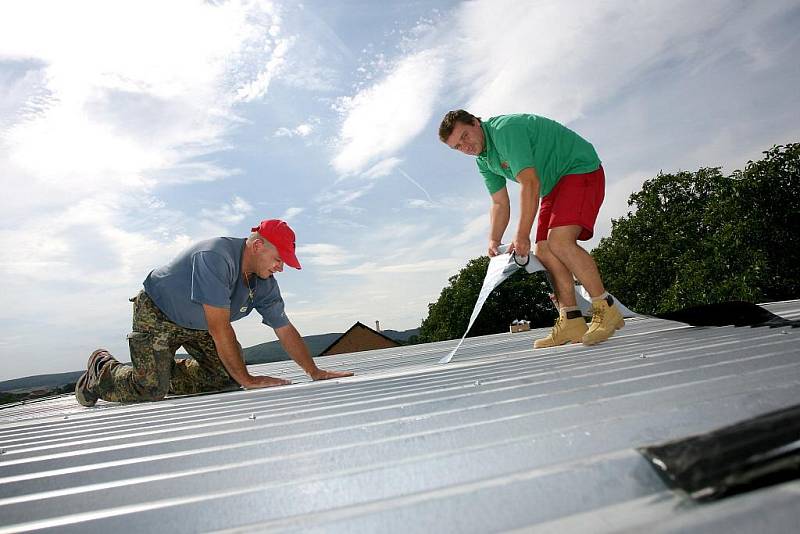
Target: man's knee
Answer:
pixel 543 253
pixel 561 243
pixel 151 384
pixel 152 360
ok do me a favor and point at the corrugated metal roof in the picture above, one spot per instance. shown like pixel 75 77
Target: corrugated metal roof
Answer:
pixel 503 438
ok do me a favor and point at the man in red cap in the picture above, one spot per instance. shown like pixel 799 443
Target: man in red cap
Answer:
pixel 191 302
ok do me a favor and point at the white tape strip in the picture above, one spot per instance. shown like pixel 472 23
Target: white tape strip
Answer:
pixel 503 266
pixel 500 268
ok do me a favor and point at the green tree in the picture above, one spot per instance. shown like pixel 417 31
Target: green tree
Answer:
pixel 522 296
pixel 701 237
pixel 765 213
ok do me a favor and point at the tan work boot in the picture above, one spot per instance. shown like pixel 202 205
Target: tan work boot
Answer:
pixel 569 328
pixel 606 319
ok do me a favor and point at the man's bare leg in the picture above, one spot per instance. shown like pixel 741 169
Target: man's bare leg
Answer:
pixel 606 317
pixel 563 245
pixel 570 326
pixel 563 282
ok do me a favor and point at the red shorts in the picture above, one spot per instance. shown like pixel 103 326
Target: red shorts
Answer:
pixel 575 200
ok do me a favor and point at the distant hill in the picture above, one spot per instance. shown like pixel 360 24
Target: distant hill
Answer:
pixel 273 352
pixel 32 382
pixel 263 353
pixel 401 336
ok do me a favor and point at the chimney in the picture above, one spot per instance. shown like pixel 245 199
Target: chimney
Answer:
pixel 378 326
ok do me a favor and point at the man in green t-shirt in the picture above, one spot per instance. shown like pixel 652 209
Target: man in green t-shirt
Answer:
pixel 551 162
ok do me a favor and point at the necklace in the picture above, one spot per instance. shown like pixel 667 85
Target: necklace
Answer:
pixel 250 290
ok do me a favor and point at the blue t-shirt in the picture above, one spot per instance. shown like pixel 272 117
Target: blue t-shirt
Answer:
pixel 210 272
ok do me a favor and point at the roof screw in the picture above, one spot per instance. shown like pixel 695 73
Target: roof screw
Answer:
pixel 478 383
pixel 2 451
pixel 252 416
pixel 642 355
pixel 784 332
pixel 66 417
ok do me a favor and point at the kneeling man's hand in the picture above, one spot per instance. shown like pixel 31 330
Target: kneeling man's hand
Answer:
pixel 321 374
pixel 265 382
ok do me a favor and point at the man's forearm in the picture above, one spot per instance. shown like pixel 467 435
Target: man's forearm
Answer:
pixel 230 354
pixel 293 344
pixel 499 215
pixel 529 204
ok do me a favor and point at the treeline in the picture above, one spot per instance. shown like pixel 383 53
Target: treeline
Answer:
pixel 702 237
pixel 689 238
pixel 10 397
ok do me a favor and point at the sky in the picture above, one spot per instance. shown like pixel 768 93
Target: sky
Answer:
pixel 129 130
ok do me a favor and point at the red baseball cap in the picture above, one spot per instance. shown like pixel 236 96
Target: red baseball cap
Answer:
pixel 281 236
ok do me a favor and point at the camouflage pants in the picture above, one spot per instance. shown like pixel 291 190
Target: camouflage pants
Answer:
pixel 154 371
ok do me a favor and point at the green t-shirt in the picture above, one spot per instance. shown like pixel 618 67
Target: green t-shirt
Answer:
pixel 516 142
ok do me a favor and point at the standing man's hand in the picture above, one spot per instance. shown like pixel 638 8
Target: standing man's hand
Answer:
pixel 521 246
pixel 321 374
pixel 494 248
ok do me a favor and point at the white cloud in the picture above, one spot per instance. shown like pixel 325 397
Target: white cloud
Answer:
pixel 381 119
pixel 340 199
pixel 257 88
pixel 301 130
pixel 324 254
pixel 228 214
pixel 291 213
pixel 418 186
pixel 419 203
pixel 432 265
pixel 122 115
pixel 94 118
pixel 561 70
pixel 555 73
pixel 317 59
pixel 477 226
pixel 264 54
pixel 99 125
pixel 416 247
pixel 84 243
pixel 382 168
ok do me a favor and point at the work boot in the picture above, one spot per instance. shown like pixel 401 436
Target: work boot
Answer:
pixel 606 319
pixel 569 328
pixel 84 392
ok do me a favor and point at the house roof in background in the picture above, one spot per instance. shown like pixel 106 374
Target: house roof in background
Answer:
pixel 358 325
pixel 502 438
